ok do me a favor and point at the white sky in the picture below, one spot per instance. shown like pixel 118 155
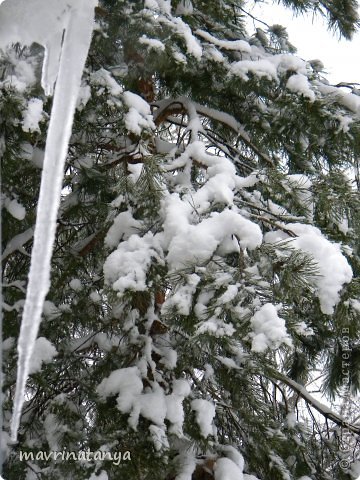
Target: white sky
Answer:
pixel 313 40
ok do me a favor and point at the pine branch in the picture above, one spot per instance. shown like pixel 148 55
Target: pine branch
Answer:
pixel 325 411
pixel 168 106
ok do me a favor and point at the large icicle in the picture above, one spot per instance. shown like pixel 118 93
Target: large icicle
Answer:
pixel 77 17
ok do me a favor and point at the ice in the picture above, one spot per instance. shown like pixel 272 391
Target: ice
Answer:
pixel 44 22
pixel 40 21
pixel 205 413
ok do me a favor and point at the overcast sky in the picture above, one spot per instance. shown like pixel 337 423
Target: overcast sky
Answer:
pixel 312 39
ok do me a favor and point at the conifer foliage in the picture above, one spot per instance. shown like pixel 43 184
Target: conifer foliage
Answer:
pixel 206 261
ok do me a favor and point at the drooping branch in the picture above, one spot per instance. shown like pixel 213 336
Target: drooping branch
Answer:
pixel 168 107
pixel 325 411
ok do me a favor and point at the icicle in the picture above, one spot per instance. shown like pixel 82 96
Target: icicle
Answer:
pixel 73 56
pixel 2 148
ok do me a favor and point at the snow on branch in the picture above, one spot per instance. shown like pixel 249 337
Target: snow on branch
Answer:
pixel 44 22
pixel 182 104
pixel 325 411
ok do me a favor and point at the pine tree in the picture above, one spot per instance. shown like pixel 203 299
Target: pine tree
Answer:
pixel 207 252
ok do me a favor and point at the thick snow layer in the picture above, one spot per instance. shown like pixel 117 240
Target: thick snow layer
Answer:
pixel 193 46
pixel 299 83
pixel 44 22
pixel 159 437
pixel 238 45
pixel 269 330
pixel 44 351
pixel 187 465
pixel 126 267
pixel 271 67
pixel 139 115
pixel 33 115
pixel 75 284
pixel 226 469
pixel 126 382
pixel 174 408
pixel 152 43
pixel 234 455
pixel 40 21
pixel 220 173
pixel 123 227
pixel 103 78
pixel 195 244
pixel 154 405
pixel 349 100
pixel 15 209
pixel 216 327
pixel 182 297
pixel 334 269
pixel 22 74
pixel 205 413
